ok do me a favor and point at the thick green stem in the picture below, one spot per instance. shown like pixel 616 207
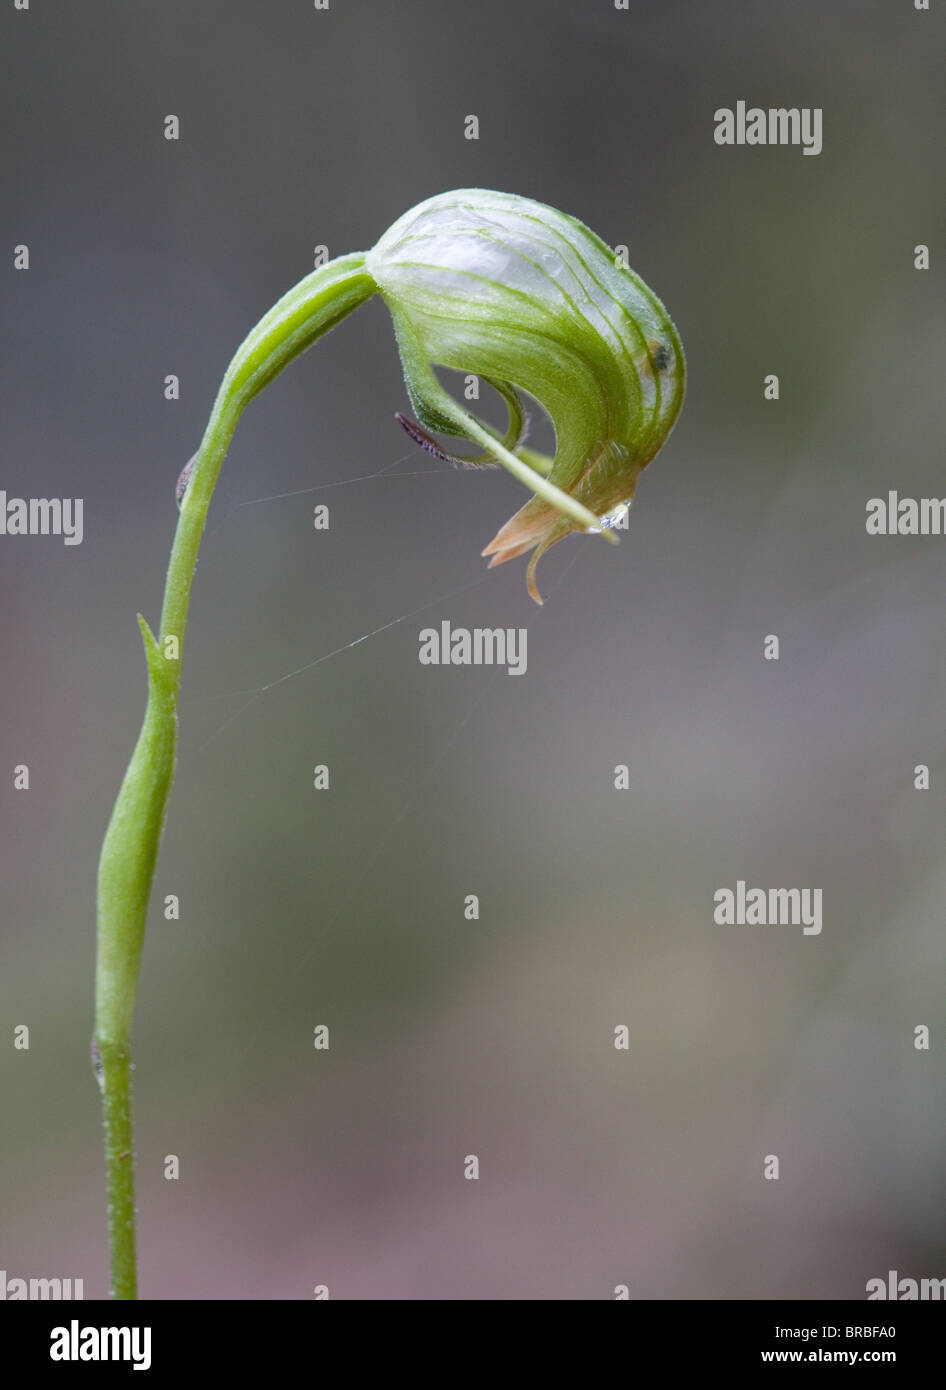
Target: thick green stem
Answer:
pixel 130 849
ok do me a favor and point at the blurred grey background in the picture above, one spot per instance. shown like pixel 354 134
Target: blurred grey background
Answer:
pixel 298 908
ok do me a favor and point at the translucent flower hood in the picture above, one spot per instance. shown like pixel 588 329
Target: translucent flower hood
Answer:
pixel 529 299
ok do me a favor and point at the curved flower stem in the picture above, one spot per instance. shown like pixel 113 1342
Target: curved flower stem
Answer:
pixel 130 849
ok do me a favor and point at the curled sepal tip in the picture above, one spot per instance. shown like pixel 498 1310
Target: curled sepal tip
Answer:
pixel 530 300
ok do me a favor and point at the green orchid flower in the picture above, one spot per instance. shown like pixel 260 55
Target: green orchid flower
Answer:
pixel 530 300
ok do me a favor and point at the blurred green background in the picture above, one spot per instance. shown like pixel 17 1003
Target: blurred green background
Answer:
pixel 298 908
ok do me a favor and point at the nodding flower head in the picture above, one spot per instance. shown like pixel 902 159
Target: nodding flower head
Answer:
pixel 530 300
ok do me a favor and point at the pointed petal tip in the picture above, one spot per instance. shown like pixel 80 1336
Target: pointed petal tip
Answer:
pixel 530 578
